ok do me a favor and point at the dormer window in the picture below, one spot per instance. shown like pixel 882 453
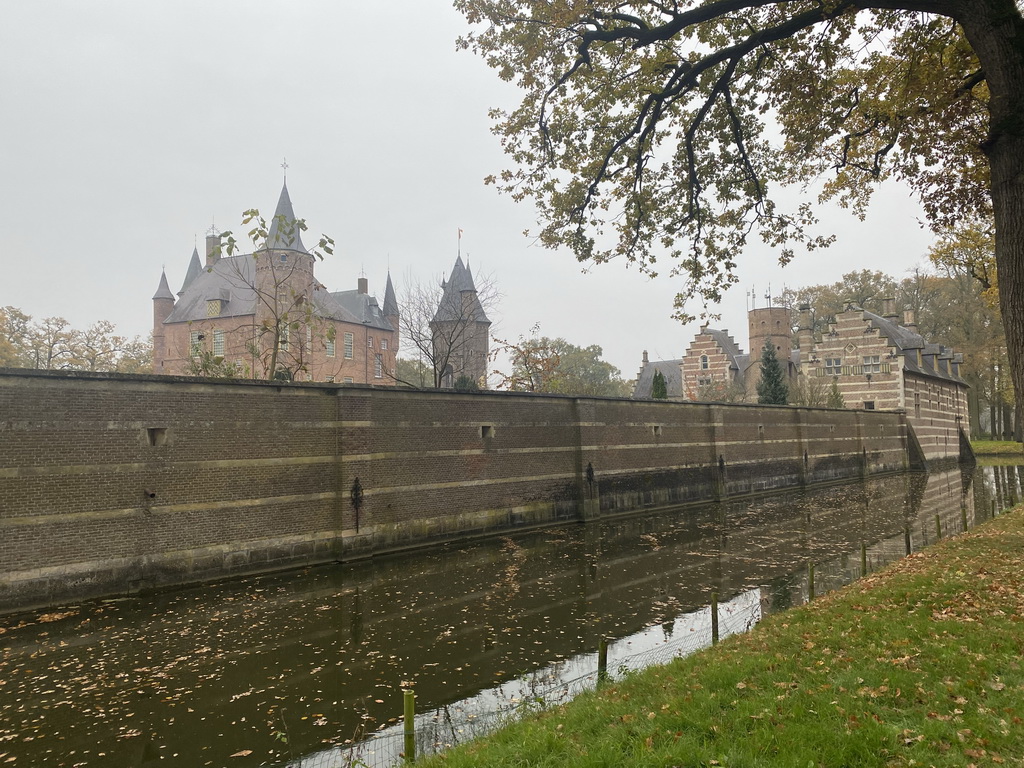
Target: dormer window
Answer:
pixel 213 308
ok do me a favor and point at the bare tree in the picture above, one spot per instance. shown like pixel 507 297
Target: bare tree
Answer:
pixel 279 276
pixel 441 325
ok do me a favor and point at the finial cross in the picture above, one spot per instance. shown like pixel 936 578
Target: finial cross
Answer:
pixel 284 167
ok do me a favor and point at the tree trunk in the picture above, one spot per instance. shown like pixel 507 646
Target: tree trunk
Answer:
pixel 996 31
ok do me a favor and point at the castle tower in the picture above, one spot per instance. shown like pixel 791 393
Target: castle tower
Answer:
pixel 460 330
pixel 768 323
pixel 163 305
pixel 284 285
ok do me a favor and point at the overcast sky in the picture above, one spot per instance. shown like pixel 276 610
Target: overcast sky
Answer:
pixel 130 128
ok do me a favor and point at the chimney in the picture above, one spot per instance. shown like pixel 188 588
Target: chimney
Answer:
pixel 645 357
pixel 908 320
pixel 889 308
pixel 804 331
pixel 212 250
pixel 364 286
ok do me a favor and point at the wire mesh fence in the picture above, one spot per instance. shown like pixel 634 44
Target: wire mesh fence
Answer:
pixel 452 724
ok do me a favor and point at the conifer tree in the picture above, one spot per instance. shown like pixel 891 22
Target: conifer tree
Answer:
pixel 659 389
pixel 771 389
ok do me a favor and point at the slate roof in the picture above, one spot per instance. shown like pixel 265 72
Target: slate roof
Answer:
pixel 728 345
pixel 163 290
pixel 277 237
pixel 450 307
pixel 230 279
pixel 390 302
pixel 673 379
pixel 194 268
pixel 935 358
pixel 359 308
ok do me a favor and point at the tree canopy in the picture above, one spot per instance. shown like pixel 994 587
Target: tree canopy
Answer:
pixel 542 364
pixel 657 130
pixel 53 344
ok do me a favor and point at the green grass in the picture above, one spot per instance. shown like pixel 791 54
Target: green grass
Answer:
pixel 997 448
pixel 919 664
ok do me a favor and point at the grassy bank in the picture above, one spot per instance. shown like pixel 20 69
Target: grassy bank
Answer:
pixel 919 664
pixel 997 448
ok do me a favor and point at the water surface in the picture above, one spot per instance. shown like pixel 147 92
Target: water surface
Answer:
pixel 282 669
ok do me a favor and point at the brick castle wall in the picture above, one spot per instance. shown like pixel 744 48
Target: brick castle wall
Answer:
pixel 110 483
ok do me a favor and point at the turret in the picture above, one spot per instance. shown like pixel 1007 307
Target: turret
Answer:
pixel 163 305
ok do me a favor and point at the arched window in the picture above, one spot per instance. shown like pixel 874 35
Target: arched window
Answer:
pixel 704 362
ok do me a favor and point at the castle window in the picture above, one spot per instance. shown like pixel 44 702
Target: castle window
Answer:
pixel 378 367
pixel 330 379
pixel 331 348
pixel 704 363
pixel 917 405
pixel 369 341
pixel 284 338
pixel 213 308
pixel 194 343
pixel 284 258
pixel 832 366
pixel 218 343
pixel 869 405
pixel 486 431
pixel 347 380
pixel 309 336
pixel 383 343
pixel 872 363
pixel 348 346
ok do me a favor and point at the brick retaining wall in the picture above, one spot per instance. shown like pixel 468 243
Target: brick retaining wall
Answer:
pixel 111 483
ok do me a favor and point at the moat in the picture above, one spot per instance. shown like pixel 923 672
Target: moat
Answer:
pixel 285 669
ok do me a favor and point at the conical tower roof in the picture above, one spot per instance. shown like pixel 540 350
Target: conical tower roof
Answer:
pixel 390 302
pixel 194 268
pixel 453 307
pixel 163 290
pixel 284 218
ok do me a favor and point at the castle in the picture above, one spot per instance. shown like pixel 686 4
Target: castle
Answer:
pixel 265 315
pixel 874 362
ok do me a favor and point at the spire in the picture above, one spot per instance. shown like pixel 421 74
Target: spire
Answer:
pixel 194 268
pixel 390 302
pixel 455 305
pixel 284 213
pixel 461 278
pixel 163 291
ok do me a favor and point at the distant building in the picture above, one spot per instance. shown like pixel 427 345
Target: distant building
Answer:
pixel 460 330
pixel 670 369
pixel 876 362
pixel 264 313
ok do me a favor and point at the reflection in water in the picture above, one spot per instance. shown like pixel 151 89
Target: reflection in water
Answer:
pixel 286 668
